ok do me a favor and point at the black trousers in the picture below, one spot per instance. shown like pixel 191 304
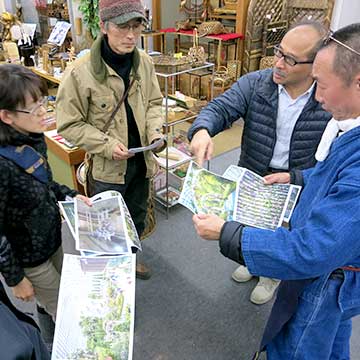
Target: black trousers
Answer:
pixel 135 190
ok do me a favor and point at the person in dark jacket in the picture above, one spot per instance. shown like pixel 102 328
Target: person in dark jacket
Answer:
pixel 283 122
pixel 30 222
pixel 20 336
pixel 318 258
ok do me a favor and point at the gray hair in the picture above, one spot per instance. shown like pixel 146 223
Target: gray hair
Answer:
pixel 346 62
pixel 106 25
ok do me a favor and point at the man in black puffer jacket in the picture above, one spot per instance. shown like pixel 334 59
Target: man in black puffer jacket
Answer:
pixel 283 122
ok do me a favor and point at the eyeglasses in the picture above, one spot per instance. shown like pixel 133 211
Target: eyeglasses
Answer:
pixel 288 58
pixel 331 38
pixel 43 102
pixel 136 28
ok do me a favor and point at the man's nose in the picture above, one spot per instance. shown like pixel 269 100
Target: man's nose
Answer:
pixel 318 96
pixel 279 61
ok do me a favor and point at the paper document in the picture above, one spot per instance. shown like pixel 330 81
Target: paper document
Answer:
pixel 152 146
pixel 104 228
pixel 239 195
pixel 95 316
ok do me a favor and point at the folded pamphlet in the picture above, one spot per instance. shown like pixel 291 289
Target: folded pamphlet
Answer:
pixel 239 195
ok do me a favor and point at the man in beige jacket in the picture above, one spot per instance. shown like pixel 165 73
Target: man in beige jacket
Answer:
pixel 90 91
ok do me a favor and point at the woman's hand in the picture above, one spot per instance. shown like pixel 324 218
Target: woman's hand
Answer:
pixel 23 290
pixel 85 199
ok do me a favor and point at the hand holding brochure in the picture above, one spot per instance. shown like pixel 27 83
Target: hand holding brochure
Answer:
pixel 97 293
pixel 104 228
pixel 152 146
pixel 239 195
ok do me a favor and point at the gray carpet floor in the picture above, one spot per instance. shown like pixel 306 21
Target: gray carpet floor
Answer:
pixel 191 309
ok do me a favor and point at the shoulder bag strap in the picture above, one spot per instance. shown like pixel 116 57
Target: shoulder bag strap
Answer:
pixel 107 125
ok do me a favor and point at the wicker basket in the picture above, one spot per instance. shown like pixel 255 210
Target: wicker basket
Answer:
pixel 222 77
pixel 234 69
pixel 211 28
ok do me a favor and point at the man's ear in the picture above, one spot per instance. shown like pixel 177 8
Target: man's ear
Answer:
pixel 6 117
pixel 357 81
pixel 102 27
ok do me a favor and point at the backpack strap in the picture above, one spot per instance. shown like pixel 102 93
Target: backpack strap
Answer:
pixel 28 159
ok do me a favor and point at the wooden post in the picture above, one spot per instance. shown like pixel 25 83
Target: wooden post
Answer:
pixel 241 17
pixel 156 22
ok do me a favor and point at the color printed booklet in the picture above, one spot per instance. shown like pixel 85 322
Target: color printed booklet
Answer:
pixel 106 227
pixel 96 306
pixel 240 195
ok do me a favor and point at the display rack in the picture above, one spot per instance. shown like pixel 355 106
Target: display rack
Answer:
pixel 169 74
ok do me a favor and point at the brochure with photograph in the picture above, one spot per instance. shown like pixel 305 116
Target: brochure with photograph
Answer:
pixel 205 192
pixel 106 227
pixel 239 195
pixel 58 33
pixel 95 316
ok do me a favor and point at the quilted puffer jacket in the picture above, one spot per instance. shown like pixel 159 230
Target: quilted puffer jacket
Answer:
pixel 254 97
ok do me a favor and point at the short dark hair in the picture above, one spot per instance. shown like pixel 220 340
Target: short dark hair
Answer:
pixel 346 63
pixel 319 28
pixel 16 83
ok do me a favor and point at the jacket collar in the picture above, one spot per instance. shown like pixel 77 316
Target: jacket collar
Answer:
pixel 268 90
pixel 98 66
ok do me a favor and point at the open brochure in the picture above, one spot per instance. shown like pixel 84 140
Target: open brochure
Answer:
pixel 106 227
pixel 95 317
pixel 239 195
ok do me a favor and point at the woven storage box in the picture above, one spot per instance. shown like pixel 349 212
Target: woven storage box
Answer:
pixel 234 69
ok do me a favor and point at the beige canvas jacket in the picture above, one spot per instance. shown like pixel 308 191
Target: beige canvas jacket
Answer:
pixel 89 92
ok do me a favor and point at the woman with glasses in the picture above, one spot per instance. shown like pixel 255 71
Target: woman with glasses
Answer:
pixel 30 222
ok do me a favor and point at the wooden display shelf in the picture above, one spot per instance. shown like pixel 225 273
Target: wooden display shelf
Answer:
pixel 46 76
pixel 72 157
pixel 219 38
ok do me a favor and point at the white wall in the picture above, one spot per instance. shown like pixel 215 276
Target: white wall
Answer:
pixel 345 12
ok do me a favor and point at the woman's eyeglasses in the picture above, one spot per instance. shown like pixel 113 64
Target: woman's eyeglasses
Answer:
pixel 41 103
pixel 338 42
pixel 288 58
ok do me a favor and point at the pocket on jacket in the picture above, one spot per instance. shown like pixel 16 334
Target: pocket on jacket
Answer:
pixel 100 105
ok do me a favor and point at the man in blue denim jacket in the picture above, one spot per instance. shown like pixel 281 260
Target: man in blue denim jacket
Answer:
pixel 318 258
pixel 283 122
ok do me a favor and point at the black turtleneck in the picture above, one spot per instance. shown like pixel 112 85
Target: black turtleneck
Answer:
pixel 122 65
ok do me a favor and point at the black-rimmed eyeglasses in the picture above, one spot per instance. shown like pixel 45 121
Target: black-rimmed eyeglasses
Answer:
pixel 288 58
pixel 338 42
pixel 41 103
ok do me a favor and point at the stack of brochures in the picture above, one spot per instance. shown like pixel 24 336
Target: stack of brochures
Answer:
pixel 95 317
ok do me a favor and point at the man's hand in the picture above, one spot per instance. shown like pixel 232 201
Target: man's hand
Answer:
pixel 121 152
pixel 208 226
pixel 277 178
pixel 85 199
pixel 23 290
pixel 202 146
